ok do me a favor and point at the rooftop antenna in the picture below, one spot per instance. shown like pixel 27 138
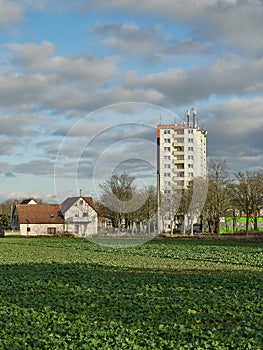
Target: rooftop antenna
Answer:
pixel 188 117
pixel 194 113
pixel 161 119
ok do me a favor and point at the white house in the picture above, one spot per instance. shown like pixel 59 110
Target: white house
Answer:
pixel 80 216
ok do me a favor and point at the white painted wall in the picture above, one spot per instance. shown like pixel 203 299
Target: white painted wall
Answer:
pixel 81 219
pixel 39 229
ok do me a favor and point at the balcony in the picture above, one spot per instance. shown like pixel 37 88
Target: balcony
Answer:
pixel 80 220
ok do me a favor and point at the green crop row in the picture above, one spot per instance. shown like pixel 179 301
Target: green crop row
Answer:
pixel 164 294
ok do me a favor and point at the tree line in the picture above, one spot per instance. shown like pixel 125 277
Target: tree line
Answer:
pixel 235 195
pixel 221 195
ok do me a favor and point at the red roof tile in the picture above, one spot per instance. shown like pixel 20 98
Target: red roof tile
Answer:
pixel 39 214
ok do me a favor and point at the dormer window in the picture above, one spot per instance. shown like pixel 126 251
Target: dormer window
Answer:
pixel 52 216
pixel 81 202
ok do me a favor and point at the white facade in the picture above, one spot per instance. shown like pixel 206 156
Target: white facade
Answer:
pixel 181 158
pixel 80 218
pixel 40 229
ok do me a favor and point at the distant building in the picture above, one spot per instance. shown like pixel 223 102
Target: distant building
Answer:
pixel 37 219
pixel 75 215
pixel 181 157
pixel 29 201
pixel 80 216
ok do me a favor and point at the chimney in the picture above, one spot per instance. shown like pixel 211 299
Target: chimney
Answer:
pixel 80 192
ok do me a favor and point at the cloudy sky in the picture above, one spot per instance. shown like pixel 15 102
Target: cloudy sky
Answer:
pixel 84 83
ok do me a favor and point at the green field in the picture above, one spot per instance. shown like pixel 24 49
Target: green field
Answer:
pixel 65 293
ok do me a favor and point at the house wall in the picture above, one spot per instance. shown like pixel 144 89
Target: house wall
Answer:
pixel 39 229
pixel 81 219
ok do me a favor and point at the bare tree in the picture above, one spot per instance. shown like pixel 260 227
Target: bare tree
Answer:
pixel 148 211
pixel 195 199
pixel 169 205
pixel 120 201
pixel 247 195
pixel 117 193
pixel 217 198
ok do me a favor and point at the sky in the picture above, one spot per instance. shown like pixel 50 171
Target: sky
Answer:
pixel 83 85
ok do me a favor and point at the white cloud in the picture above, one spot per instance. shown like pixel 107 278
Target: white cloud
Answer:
pixel 95 71
pixel 148 42
pixel 228 75
pixel 235 131
pixel 239 22
pixel 129 37
pixel 9 145
pixel 35 167
pixel 10 12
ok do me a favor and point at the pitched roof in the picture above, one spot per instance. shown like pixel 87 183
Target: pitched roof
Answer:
pixel 69 202
pixel 39 214
pixel 28 200
pixel 89 200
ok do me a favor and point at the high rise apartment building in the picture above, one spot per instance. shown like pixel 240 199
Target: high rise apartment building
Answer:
pixel 181 154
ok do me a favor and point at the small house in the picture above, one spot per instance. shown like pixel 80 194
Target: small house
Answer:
pixel 80 216
pixel 37 219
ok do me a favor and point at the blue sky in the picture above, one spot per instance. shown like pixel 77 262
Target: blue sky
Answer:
pixel 79 79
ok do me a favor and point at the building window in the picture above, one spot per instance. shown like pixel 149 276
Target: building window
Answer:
pixel 190 174
pixel 191 157
pixel 190 131
pixel 190 148
pixel 190 140
pixel 51 230
pixel 190 165
pixel 167 183
pixel 180 132
pixel 80 201
pixel 167 157
pixel 167 191
pixel 180 166
pixel 76 228
pixel 167 140
pixel 167 149
pixel 166 131
pixel 167 174
pixel 167 166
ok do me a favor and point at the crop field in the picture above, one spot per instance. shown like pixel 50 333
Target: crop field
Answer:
pixel 69 293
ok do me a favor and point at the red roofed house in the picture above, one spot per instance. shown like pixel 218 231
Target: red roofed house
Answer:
pixel 37 219
pixel 75 215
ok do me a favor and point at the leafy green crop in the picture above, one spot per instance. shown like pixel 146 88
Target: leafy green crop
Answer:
pixel 165 294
